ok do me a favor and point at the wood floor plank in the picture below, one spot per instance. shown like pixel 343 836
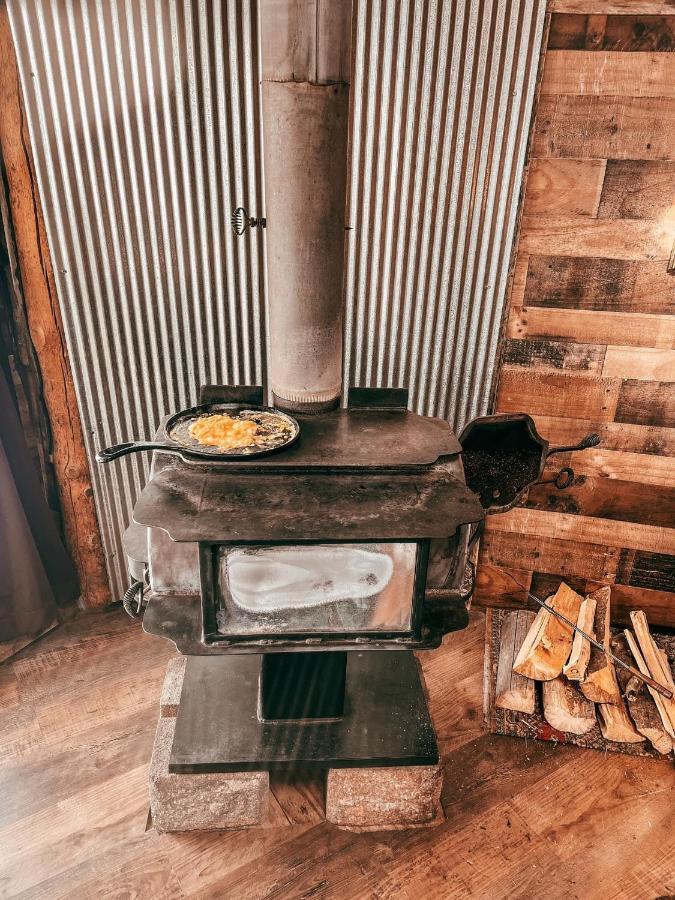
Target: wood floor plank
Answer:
pixel 73 816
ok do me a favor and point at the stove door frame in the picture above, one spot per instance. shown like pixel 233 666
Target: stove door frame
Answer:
pixel 316 640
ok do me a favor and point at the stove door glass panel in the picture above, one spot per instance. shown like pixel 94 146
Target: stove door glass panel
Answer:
pixel 316 588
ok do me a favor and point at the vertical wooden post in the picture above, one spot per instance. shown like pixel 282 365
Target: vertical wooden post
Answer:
pixel 44 321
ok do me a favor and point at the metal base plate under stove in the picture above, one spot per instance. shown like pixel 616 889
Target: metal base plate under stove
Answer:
pixel 385 720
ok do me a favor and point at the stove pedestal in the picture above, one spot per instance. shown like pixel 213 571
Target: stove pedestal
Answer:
pixel 360 794
pixel 220 725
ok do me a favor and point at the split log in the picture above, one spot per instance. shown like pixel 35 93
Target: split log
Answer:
pixel 576 665
pixel 615 723
pixel 600 684
pixel 659 700
pixel 549 641
pixel 512 690
pixel 641 708
pixel 656 666
pixel 566 708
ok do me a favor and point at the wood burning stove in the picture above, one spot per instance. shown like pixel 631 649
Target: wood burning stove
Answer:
pixel 284 578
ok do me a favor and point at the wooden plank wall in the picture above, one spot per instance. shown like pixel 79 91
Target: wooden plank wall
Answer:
pixel 591 323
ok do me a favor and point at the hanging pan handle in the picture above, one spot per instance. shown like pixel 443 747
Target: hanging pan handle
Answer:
pixel 591 440
pixel 117 450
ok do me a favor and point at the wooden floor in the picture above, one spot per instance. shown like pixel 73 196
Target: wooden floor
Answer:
pixel 524 820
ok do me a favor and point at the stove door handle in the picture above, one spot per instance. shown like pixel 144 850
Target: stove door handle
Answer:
pixel 117 450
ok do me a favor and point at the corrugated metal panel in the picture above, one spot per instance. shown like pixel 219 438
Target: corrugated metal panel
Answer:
pixel 443 92
pixel 145 124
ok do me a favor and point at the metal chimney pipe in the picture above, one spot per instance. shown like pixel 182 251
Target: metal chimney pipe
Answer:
pixel 305 106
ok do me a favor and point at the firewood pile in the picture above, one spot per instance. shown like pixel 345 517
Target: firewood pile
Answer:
pixel 547 681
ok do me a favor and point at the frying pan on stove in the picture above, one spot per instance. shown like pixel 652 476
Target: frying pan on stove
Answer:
pixel 277 431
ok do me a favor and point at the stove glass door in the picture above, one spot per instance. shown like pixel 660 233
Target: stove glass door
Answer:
pixel 312 588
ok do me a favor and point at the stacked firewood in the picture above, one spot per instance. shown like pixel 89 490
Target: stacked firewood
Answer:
pixel 582 685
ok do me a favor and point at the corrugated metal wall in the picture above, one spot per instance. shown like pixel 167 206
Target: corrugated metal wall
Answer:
pixel 443 93
pixel 145 125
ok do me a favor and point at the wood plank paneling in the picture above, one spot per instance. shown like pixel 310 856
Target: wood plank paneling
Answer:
pixel 626 329
pixel 550 394
pixel 554 355
pixel 614 7
pixel 611 285
pixel 623 466
pixel 642 364
pixel 613 435
pixel 601 73
pixel 608 238
pixel 604 128
pixel 647 403
pixel 514 550
pixel 646 569
pixel 592 273
pixel 632 33
pixel 623 501
pixel 596 327
pixel 562 187
pixel 638 189
pixel 584 529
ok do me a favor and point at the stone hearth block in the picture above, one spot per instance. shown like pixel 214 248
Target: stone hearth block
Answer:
pixel 384 798
pixel 204 802
pixel 172 687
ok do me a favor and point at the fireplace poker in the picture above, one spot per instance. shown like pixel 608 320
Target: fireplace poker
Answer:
pixel 659 688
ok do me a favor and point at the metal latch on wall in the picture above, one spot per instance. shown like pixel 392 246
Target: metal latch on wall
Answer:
pixel 241 221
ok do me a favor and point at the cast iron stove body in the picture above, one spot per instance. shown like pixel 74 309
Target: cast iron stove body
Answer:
pixel 285 578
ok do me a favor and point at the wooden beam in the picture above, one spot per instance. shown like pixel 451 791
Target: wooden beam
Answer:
pixel 638 239
pixel 585 529
pixel 591 127
pixel 614 7
pixel 564 187
pixel 589 326
pixel 80 523
pixel 609 74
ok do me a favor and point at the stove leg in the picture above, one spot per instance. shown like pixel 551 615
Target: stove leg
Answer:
pixel 204 802
pixel 385 798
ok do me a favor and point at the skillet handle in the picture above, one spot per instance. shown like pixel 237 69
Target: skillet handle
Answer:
pixel 117 450
pixel 591 440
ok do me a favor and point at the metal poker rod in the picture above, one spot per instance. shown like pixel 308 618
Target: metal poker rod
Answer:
pixel 659 688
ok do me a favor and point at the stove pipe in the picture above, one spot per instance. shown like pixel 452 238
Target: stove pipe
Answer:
pixel 305 106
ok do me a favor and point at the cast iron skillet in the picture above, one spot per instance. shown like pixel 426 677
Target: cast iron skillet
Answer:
pixel 177 438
